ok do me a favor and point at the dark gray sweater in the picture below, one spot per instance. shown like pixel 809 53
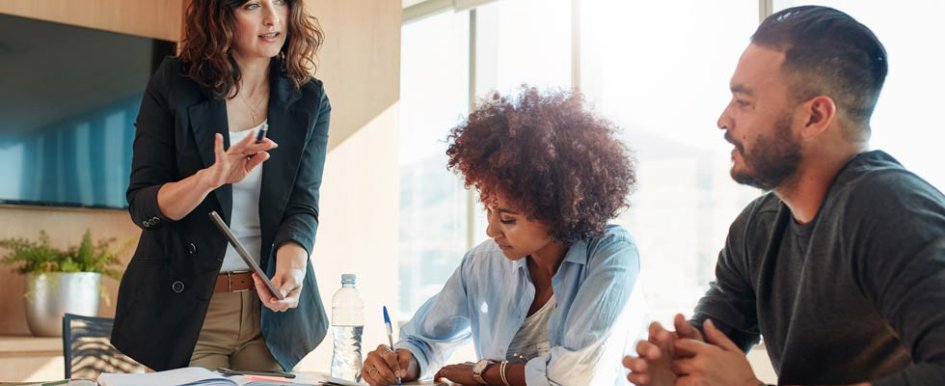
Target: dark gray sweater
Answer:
pixel 856 295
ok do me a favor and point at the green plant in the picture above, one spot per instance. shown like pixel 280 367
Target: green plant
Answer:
pixel 40 256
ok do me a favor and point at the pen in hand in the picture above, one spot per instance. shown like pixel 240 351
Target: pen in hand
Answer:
pixel 390 338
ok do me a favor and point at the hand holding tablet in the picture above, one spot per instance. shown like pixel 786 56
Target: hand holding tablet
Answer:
pixel 245 255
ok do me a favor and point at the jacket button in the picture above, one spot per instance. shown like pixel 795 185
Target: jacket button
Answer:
pixel 155 221
pixel 191 248
pixel 177 287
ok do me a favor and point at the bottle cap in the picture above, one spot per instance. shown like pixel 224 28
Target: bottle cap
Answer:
pixel 348 278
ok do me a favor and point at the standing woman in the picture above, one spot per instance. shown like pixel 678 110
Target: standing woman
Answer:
pixel 186 298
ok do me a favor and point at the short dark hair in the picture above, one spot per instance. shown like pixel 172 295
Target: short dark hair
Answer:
pixel 561 164
pixel 827 52
pixel 208 45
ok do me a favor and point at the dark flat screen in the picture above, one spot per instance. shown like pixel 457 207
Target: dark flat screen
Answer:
pixel 68 100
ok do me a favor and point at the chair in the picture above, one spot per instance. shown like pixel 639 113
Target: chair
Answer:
pixel 88 351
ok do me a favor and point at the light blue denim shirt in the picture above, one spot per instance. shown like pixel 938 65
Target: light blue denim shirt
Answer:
pixel 600 313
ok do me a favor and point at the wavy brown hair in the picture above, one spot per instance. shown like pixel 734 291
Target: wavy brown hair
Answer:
pixel 559 163
pixel 208 45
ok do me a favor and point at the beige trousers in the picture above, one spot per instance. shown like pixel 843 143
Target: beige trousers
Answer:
pixel 230 335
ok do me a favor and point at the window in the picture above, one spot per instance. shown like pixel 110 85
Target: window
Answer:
pixel 440 220
pixel 665 93
pixel 659 70
pixel 513 46
pixel 433 98
pixel 907 119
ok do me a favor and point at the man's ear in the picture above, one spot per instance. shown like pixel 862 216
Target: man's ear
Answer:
pixel 820 112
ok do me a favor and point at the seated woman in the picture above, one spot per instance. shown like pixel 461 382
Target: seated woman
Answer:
pixel 551 298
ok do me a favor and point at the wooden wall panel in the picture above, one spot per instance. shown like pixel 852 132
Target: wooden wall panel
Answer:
pixel 360 61
pixel 151 18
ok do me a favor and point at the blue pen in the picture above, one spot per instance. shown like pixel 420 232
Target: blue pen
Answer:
pixel 390 336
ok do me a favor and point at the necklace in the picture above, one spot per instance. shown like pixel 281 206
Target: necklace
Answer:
pixel 252 109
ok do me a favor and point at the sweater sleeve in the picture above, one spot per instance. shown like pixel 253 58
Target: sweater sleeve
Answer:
pixel 900 265
pixel 730 301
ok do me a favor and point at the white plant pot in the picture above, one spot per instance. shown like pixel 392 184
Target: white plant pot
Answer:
pixel 50 295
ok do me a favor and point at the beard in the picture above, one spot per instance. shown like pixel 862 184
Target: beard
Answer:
pixel 773 159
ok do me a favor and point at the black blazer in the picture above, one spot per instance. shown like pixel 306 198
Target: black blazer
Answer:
pixel 168 284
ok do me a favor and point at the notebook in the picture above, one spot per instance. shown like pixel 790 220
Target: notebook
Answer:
pixel 194 376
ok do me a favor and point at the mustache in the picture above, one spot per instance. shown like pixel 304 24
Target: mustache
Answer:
pixel 738 145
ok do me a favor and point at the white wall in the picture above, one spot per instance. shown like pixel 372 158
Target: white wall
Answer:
pixel 358 227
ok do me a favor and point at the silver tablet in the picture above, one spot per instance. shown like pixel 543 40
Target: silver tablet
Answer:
pixel 245 255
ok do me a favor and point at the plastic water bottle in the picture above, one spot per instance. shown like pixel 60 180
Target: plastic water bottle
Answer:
pixel 347 323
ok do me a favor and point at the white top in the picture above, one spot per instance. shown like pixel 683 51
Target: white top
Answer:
pixel 531 340
pixel 244 218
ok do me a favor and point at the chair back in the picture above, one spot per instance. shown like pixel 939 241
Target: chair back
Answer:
pixel 88 351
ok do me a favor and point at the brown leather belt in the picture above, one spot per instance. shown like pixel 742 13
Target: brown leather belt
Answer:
pixel 234 282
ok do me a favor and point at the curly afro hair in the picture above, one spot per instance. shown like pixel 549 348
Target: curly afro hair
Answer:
pixel 561 164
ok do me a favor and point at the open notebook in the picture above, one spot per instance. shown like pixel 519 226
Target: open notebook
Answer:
pixel 193 376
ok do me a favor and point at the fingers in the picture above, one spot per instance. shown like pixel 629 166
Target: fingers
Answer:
pixel 662 339
pixel 273 303
pixel 684 366
pixel 283 305
pixel 442 374
pixel 218 146
pixel 376 376
pixel 367 376
pixel 290 302
pixel 652 366
pixel 639 379
pixel 690 347
pixel 390 358
pixel 287 283
pixel 718 338
pixel 649 351
pixel 446 372
pixel 410 368
pixel 248 145
pixel 635 364
pixel 376 367
pixel 255 160
pixel 685 329
pixel 261 290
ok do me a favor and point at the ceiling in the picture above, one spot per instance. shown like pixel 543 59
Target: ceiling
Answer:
pixel 408 3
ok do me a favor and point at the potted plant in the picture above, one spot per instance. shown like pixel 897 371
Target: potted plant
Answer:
pixel 60 281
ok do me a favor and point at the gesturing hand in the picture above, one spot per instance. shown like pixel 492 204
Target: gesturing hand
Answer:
pixel 718 362
pixel 233 164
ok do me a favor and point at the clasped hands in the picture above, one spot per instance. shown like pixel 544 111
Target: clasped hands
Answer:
pixel 685 358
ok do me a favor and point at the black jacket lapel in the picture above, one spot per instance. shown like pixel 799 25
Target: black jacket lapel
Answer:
pixel 288 127
pixel 207 119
